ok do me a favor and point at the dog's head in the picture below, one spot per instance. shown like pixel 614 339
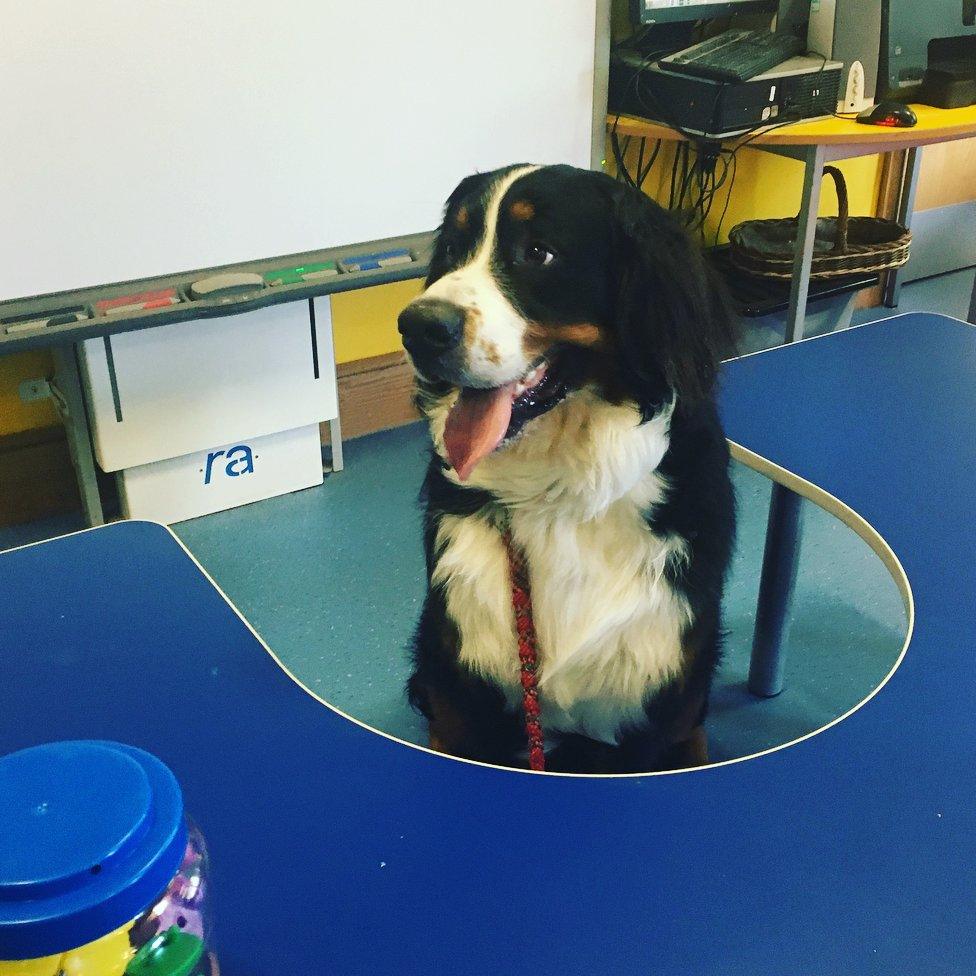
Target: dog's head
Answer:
pixel 545 280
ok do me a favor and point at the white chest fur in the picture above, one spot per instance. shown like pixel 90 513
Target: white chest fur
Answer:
pixel 609 624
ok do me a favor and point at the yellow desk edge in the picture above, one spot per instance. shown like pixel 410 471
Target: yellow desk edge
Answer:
pixel 934 125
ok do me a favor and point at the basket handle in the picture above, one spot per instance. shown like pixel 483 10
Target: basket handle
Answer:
pixel 840 239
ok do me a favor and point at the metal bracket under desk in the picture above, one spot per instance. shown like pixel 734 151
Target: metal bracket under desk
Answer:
pixel 71 405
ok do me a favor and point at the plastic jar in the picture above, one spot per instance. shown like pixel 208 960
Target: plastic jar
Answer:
pixel 101 872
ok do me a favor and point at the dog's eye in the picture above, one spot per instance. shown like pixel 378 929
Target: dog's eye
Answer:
pixel 537 254
pixel 449 253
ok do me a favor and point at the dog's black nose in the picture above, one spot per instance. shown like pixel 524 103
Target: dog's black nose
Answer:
pixel 431 326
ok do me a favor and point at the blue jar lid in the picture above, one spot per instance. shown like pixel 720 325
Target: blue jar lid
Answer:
pixel 91 833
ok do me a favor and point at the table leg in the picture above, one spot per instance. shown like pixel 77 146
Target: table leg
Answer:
pixel 906 206
pixel 803 258
pixel 780 559
pixel 971 318
pixel 782 550
pixel 67 379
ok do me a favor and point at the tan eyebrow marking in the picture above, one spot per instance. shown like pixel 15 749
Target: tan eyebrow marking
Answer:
pixel 522 210
pixel 578 334
pixel 461 218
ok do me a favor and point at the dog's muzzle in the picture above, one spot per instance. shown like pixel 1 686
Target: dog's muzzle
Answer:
pixel 432 330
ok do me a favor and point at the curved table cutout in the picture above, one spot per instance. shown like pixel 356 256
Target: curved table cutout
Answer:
pixel 335 848
pixel 818 496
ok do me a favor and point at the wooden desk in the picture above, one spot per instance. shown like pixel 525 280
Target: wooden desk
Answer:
pixel 815 143
pixel 336 849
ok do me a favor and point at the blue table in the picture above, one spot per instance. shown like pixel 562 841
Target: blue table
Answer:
pixel 338 850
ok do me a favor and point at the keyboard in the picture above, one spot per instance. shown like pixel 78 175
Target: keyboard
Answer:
pixel 736 55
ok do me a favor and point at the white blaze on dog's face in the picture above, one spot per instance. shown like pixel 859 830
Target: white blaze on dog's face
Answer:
pixel 517 279
pixel 494 330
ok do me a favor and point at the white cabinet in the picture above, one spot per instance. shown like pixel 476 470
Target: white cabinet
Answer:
pixel 176 389
pixel 222 477
pixel 204 415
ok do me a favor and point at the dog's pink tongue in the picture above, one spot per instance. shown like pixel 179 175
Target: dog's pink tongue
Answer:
pixel 476 425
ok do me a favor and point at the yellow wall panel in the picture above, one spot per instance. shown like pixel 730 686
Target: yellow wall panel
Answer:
pixel 771 186
pixel 364 322
pixel 764 186
pixel 16 416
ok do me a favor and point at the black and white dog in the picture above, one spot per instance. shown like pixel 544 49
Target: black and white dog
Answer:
pixel 566 348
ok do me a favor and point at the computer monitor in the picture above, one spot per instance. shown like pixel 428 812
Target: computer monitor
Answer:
pixel 679 11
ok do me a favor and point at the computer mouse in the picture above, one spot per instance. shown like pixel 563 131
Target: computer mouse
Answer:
pixel 893 114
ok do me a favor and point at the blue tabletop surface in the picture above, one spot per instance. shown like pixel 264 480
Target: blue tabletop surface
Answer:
pixel 338 850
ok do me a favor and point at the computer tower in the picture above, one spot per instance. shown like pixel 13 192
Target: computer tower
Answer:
pixel 848 31
pixel 800 88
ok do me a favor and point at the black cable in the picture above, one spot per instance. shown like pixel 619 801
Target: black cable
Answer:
pixel 634 80
pixel 622 173
pixel 674 175
pixel 708 184
pixel 760 130
pixel 717 183
pixel 683 181
pixel 706 181
pixel 735 165
pixel 641 177
pixel 689 181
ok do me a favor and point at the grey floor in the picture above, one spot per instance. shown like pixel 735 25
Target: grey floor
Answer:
pixel 332 578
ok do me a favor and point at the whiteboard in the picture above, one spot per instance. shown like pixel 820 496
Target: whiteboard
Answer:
pixel 146 138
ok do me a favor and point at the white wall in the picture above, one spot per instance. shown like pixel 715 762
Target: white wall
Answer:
pixel 144 138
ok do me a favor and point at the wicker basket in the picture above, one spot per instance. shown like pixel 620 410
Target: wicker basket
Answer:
pixel 843 245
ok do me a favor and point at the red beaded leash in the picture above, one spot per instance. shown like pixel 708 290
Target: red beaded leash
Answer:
pixel 528 653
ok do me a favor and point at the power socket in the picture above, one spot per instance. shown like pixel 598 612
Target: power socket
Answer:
pixel 30 391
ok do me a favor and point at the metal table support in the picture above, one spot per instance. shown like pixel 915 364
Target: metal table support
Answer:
pixel 780 559
pixel 813 158
pixel 906 206
pixel 71 403
pixel 782 550
pixel 971 318
pixel 783 534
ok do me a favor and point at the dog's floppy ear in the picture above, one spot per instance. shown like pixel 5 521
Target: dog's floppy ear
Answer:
pixel 672 319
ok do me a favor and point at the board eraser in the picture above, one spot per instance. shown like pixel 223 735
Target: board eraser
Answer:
pixel 304 272
pixel 137 302
pixel 230 284
pixel 371 262
pixel 42 320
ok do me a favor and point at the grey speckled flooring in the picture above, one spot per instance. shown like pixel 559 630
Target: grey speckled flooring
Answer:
pixel 333 580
